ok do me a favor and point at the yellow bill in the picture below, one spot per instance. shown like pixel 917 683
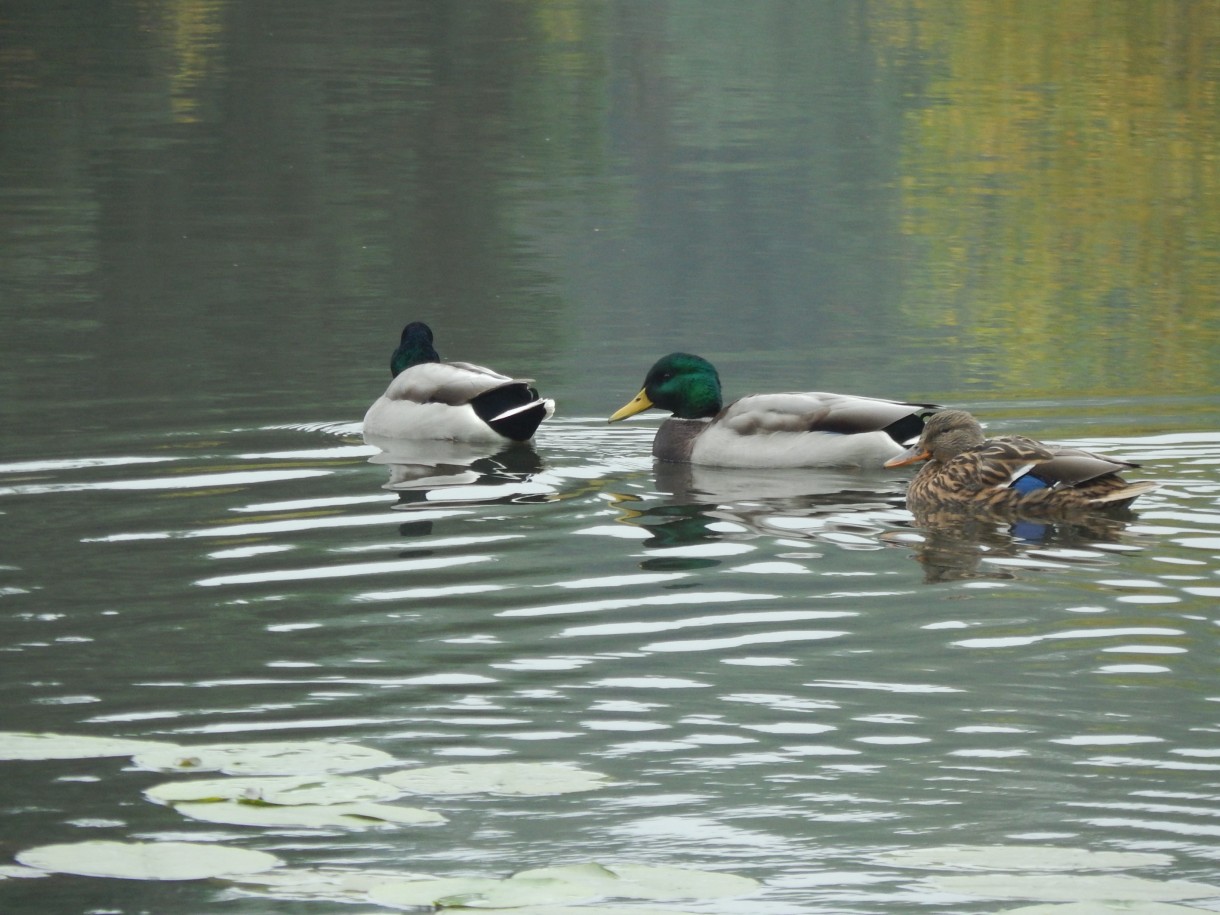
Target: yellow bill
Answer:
pixel 638 405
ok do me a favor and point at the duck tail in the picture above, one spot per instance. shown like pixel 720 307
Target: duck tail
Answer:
pixel 520 423
pixel 514 411
pixel 1128 493
pixel 907 429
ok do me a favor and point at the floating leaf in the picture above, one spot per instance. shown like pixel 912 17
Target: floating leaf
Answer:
pixel 513 894
pixel 312 816
pixel 147 860
pixel 1102 908
pixel 15 872
pixel 1072 887
pixel 343 885
pixel 21 745
pixel 1020 857
pixel 425 892
pixel 496 778
pixel 476 892
pixel 643 881
pixel 272 758
pixel 322 883
pixel 286 790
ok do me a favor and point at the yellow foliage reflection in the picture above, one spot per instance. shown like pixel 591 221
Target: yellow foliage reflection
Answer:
pixel 192 32
pixel 1061 184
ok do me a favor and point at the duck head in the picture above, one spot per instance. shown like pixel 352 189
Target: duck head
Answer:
pixel 946 435
pixel 414 347
pixel 686 385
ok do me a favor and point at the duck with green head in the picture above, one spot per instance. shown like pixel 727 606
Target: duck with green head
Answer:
pixel 415 346
pixel 796 429
pixel 1010 474
pixel 451 401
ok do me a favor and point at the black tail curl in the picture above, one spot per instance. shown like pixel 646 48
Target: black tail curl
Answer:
pixel 519 426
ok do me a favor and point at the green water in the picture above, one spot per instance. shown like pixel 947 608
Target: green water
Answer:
pixel 214 220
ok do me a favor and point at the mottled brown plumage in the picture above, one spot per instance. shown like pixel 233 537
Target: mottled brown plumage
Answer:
pixel 1011 474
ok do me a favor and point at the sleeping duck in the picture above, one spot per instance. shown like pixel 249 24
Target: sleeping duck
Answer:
pixel 1011 473
pixel 808 429
pixel 451 401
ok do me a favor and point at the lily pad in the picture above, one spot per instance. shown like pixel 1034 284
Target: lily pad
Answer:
pixel 645 881
pixel 1019 858
pixel 319 884
pixel 270 758
pixel 1072 887
pixel 497 778
pixel 475 892
pixel 312 816
pixel 22 745
pixel 353 886
pixel 514 894
pixel 17 872
pixel 285 790
pixel 147 860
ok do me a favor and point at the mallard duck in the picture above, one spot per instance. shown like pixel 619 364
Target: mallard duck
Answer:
pixel 451 401
pixel 809 429
pixel 1010 474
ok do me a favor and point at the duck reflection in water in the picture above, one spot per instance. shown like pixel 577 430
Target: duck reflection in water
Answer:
pixel 957 545
pixel 783 491
pixel 431 473
pixel 672 527
pixel 710 505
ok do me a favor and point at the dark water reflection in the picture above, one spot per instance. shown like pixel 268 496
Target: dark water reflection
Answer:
pixel 216 217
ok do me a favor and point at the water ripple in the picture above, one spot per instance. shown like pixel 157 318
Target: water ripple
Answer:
pixel 658 600
pixel 341 571
pixel 801 655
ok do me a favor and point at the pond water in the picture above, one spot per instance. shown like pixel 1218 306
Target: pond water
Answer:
pixel 217 217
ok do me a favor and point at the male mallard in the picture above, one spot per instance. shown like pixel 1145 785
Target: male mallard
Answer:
pixel 1011 473
pixel 451 401
pixel 810 429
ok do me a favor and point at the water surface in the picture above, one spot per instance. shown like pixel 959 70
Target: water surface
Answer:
pixel 216 218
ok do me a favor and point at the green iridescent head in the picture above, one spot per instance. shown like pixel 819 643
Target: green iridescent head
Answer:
pixel 686 385
pixel 414 347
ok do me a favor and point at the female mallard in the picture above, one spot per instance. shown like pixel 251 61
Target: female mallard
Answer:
pixel 809 429
pixel 1010 474
pixel 451 401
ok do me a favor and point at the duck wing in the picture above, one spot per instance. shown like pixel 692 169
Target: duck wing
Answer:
pixel 1033 468
pixel 998 463
pixel 821 411
pixel 1074 466
pixel 450 383
pixel 1092 475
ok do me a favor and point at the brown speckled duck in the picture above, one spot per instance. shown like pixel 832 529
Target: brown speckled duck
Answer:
pixel 1010 474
